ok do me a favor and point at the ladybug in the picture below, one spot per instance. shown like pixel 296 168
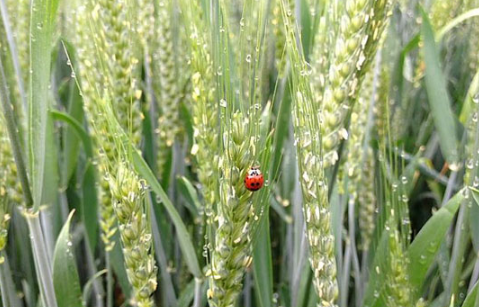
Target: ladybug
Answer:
pixel 254 180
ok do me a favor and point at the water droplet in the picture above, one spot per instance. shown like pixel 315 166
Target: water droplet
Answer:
pixel 470 163
pixel 475 98
pixel 248 58
pixel 454 166
pixel 475 184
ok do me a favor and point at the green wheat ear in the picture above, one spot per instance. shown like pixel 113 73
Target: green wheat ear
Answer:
pixel 121 190
pixel 234 215
pixel 19 12
pixel 128 192
pixel 279 35
pixel 167 87
pixel 398 287
pixel 10 188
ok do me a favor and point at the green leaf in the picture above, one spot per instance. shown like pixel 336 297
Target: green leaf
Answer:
pixel 65 274
pixel 468 106
pixel 89 210
pixel 71 141
pixel 439 100
pixel 456 21
pixel 189 193
pixel 184 239
pixel 89 285
pixel 262 265
pixel 42 22
pixel 375 296
pixel 187 295
pixel 118 264
pixel 422 251
pixel 473 218
pixel 472 299
pixel 281 129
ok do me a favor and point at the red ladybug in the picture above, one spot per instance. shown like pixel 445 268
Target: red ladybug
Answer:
pixel 254 180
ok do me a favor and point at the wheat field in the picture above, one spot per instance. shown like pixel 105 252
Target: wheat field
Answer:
pixel 227 153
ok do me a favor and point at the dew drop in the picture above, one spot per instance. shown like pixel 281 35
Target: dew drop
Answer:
pixel 475 98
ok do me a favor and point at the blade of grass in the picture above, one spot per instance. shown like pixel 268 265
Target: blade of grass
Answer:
pixel 65 274
pixel 89 285
pixel 467 107
pixel 117 261
pixel 472 299
pixel 439 100
pixel 161 258
pixel 374 295
pixel 262 264
pixel 425 246
pixel 42 26
pixel 189 193
pixel 89 210
pixel 71 141
pixel 186 296
pixel 456 21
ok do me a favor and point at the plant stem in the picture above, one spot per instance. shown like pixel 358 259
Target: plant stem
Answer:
pixel 197 299
pixel 354 253
pixel 109 280
pixel 161 258
pixel 3 286
pixel 42 264
pixel 92 271
pixel 344 285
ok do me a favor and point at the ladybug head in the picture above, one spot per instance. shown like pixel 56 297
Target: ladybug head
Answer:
pixel 254 171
